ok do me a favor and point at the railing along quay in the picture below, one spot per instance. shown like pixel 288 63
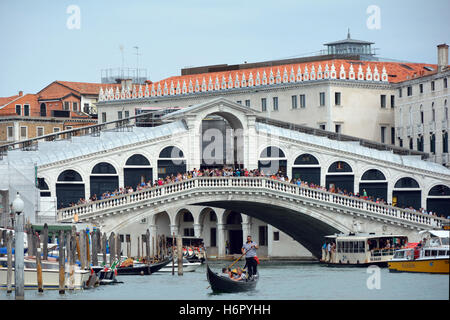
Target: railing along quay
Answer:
pixel 253 183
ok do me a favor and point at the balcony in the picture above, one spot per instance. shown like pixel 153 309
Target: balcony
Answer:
pixel 432 126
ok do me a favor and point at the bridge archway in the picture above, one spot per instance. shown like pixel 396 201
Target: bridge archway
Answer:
pixel 185 221
pixel 69 188
pixel 340 176
pixel 272 160
pixel 208 219
pixel 103 178
pixel 374 182
pixel 407 193
pixel 221 140
pixel 438 200
pixel 171 161
pixel 137 169
pixel 306 167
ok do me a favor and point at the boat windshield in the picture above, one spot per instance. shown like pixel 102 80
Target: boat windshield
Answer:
pixel 404 254
pixel 445 241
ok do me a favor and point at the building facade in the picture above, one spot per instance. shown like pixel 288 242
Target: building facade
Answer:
pixel 422 113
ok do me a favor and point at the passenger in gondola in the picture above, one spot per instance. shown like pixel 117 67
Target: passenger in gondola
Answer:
pixel 240 276
pixel 227 271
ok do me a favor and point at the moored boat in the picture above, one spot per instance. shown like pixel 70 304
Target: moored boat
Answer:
pixel 142 268
pixel 429 256
pixel 361 249
pixel 187 266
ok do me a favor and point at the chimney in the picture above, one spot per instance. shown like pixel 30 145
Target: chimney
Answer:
pixel 20 93
pixel 442 57
pixel 126 83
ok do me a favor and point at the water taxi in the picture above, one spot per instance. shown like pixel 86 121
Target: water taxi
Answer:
pixel 429 256
pixel 361 249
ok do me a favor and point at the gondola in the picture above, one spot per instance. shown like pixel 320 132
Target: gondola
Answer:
pixel 224 284
pixel 142 268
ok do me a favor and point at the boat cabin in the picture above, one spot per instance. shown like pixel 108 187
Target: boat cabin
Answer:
pixel 361 249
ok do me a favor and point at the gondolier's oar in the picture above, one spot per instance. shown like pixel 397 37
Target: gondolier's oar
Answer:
pixel 239 258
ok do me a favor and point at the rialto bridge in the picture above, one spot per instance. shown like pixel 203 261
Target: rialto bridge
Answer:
pixel 278 214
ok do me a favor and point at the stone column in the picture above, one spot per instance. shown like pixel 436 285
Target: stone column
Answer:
pixel 221 239
pixel 174 229
pixel 251 146
pixel 197 230
pixel 153 229
pixel 247 231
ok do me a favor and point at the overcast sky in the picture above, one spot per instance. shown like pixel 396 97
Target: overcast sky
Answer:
pixel 42 42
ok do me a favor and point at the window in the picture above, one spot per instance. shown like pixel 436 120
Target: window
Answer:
pixel 400 142
pixel 23 132
pixel 18 109
pixel 411 144
pixel 421 88
pixel 383 134
pixel 69 128
pixel 432 143
pixel 294 102
pixel 420 143
pixel 421 115
pixel 86 108
pixel 26 109
pixel 239 101
pixel 10 133
pixel 119 115
pixel 399 92
pixel 409 90
pixel 337 128
pixel 66 105
pixel 433 113
pixel 56 129
pixel 432 85
pixel 213 237
pixel 75 106
pixel 263 104
pixel 392 135
pixel 187 217
pixel 302 101
pixel 212 216
pixel 247 103
pixel 445 83
pixel 188 232
pixel 383 100
pixel 275 103
pixel 103 116
pixel 39 131
pixel 337 98
pixel 322 98
pixel 276 236
pixel 445 142
pixel 322 126
pixel 127 114
pixel 263 235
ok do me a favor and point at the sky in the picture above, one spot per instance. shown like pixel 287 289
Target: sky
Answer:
pixel 43 41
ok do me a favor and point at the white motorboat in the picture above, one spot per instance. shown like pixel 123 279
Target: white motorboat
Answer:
pixel 50 275
pixel 187 266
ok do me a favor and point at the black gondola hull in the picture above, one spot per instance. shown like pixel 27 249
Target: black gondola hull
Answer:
pixel 222 284
pixel 145 269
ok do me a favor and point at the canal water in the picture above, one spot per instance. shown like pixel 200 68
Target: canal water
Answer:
pixel 278 281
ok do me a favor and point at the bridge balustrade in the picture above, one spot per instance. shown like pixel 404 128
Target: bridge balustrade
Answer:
pixel 251 183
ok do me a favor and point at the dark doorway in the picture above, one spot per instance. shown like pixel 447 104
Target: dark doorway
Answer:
pixel 134 176
pixel 307 174
pixel 67 193
pixel 343 182
pixel 406 199
pixel 101 184
pixel 43 110
pixel 235 238
pixel 374 189
pixel 440 206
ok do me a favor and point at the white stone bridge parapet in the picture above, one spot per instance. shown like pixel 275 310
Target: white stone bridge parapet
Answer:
pixel 202 190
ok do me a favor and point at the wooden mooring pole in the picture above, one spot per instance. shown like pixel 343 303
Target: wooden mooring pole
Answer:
pixel 173 254
pixel 62 280
pixel 180 255
pixel 45 242
pixel 38 263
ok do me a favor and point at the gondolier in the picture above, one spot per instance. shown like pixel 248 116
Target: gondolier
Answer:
pixel 249 248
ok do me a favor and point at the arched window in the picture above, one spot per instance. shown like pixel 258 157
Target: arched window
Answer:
pixel 439 190
pixel 406 183
pixel 43 110
pixel 171 152
pixel 69 175
pixel 103 168
pixel 306 159
pixel 137 160
pixel 373 174
pixel 272 152
pixel 340 166
pixel 438 200
pixel 43 187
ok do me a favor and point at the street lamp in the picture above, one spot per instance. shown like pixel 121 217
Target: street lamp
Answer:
pixel 17 208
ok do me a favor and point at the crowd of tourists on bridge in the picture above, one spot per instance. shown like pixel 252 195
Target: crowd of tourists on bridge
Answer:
pixel 229 172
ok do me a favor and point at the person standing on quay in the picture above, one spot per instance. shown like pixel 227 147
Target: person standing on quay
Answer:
pixel 249 249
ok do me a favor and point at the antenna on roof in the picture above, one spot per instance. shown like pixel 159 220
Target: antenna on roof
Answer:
pixel 121 52
pixel 348 33
pixel 137 62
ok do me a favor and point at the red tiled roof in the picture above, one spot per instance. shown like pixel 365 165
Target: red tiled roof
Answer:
pixel 5 100
pixel 30 99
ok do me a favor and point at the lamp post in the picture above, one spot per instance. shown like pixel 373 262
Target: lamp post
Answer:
pixel 17 208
